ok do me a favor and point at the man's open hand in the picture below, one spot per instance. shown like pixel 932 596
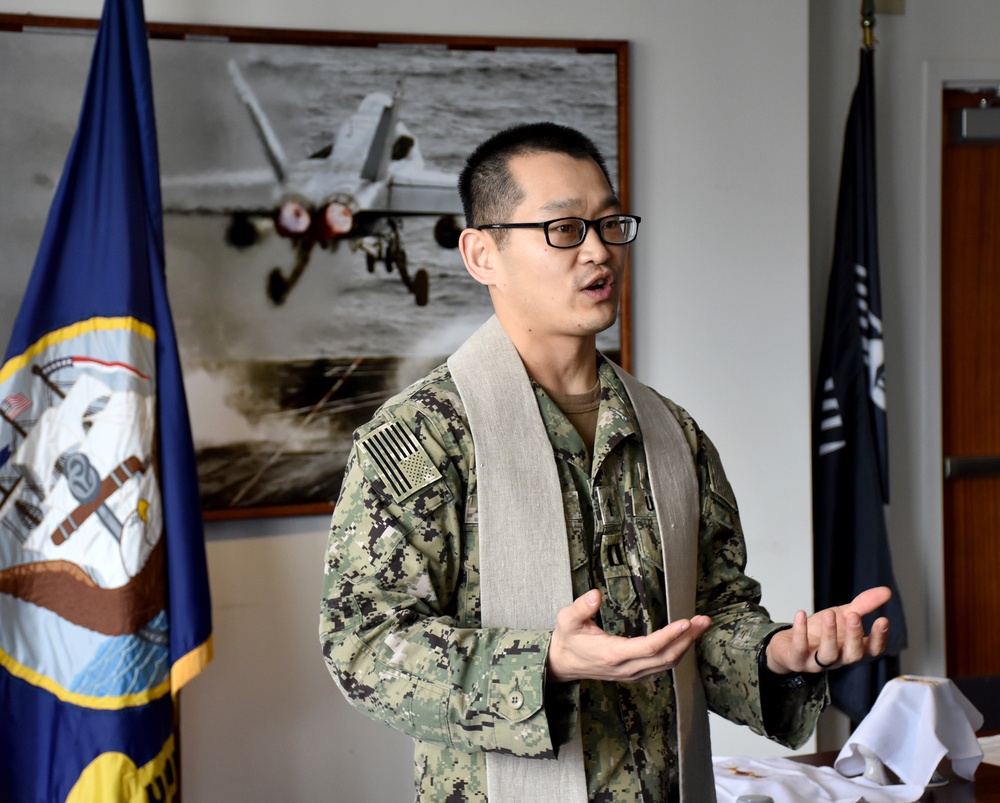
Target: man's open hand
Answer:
pixel 580 649
pixel 830 638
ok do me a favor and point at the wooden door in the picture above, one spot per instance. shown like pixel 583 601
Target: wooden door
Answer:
pixel 970 338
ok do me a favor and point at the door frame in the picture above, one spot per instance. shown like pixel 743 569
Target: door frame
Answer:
pixel 937 76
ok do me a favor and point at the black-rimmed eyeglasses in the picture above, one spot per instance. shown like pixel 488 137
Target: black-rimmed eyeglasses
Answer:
pixel 569 232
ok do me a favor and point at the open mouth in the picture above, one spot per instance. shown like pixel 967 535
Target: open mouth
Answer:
pixel 600 284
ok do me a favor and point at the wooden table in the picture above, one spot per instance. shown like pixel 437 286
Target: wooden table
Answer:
pixel 984 789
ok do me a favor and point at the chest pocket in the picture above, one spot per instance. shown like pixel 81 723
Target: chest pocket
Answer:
pixel 616 563
pixel 643 514
pixel 645 528
pixel 617 573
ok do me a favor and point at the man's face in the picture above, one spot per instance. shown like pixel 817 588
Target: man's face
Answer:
pixel 545 291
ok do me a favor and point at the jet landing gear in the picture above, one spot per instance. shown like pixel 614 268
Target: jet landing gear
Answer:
pixel 388 249
pixel 385 247
pixel 278 285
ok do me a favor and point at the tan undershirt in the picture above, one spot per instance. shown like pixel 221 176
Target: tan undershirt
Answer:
pixel 581 410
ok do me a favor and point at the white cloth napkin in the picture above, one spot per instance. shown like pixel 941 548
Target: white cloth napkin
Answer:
pixel 915 722
pixel 788 781
pixel 991 749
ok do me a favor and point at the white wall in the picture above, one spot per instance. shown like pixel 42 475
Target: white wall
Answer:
pixel 719 147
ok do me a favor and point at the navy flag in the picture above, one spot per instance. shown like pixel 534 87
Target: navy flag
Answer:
pixel 104 603
pixel 850 459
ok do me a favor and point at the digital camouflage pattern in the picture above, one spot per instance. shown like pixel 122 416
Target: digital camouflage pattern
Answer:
pixel 400 619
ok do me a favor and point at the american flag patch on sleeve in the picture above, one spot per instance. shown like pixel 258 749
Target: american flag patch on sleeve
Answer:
pixel 400 460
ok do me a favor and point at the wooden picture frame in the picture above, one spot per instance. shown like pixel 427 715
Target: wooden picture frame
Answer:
pixel 286 349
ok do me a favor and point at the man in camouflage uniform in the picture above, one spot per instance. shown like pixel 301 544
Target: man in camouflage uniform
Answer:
pixel 401 625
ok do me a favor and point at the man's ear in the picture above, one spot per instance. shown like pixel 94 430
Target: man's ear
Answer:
pixel 477 248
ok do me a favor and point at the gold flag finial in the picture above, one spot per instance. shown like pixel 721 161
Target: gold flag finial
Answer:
pixel 868 21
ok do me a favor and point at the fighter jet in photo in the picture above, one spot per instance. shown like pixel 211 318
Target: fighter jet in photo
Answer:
pixel 356 189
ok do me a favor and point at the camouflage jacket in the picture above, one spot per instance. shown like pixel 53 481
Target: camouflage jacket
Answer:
pixel 400 620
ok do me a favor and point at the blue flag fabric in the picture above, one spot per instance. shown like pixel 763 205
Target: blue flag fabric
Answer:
pixel 104 600
pixel 850 458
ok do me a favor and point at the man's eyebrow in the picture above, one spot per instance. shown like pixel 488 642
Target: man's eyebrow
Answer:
pixel 562 204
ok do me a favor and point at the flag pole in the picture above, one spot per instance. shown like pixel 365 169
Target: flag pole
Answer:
pixel 868 22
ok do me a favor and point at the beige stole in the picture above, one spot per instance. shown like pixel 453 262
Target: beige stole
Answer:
pixel 524 555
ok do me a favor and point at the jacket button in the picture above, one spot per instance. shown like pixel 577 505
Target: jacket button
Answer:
pixel 515 700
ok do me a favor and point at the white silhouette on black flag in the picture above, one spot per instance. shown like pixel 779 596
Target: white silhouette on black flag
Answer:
pixel 850 458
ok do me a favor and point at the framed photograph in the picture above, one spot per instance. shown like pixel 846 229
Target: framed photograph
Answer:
pixel 310 216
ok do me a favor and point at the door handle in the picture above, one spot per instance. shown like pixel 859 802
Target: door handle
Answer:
pixel 956 468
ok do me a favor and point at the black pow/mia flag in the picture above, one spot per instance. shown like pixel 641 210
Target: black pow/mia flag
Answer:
pixel 850 454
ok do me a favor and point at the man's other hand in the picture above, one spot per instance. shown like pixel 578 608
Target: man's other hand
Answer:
pixel 831 638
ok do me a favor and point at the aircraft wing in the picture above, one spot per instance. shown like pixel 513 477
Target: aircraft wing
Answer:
pixel 420 191
pixel 247 192
pixel 412 188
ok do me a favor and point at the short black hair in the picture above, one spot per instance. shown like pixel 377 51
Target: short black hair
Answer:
pixel 486 187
